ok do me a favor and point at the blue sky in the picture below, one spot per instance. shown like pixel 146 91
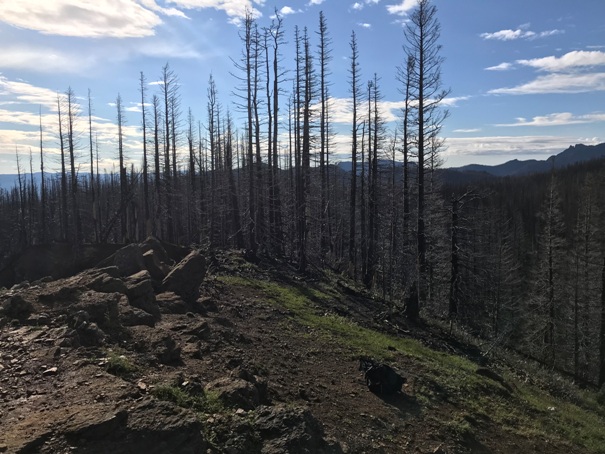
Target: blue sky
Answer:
pixel 527 78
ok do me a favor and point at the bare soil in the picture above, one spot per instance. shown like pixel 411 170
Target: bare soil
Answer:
pixel 56 397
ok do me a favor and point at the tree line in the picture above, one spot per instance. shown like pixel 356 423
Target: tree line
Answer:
pixel 518 262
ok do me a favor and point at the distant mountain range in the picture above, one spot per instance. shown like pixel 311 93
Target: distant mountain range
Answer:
pixel 575 154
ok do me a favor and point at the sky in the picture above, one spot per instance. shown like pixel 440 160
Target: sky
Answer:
pixel 526 78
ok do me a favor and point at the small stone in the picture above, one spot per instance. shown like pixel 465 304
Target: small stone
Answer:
pixel 240 412
pixel 142 386
pixel 51 371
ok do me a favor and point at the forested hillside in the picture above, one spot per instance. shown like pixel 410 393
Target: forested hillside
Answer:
pixel 519 261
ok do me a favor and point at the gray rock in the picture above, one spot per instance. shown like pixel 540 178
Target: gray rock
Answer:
pixel 235 392
pixel 155 266
pixel 171 303
pixel 166 350
pixel 17 307
pixel 104 283
pixel 200 331
pixel 292 430
pixel 141 294
pixel 186 277
pixel 154 245
pixel 102 308
pixel 133 316
pixel 129 260
pixel 90 335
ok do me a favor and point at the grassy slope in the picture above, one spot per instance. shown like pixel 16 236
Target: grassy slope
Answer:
pixel 449 379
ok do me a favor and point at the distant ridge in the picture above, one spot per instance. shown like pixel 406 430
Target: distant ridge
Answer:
pixel 573 155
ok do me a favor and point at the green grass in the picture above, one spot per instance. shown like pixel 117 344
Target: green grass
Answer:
pixel 445 379
pixel 206 403
pixel 120 366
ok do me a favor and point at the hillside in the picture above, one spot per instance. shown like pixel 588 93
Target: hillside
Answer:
pixel 134 356
pixel 575 154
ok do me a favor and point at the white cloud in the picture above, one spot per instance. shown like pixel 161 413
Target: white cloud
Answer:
pixel 235 9
pixel 316 2
pixel 92 19
pixel 25 93
pixel 467 131
pixel 571 60
pixel 519 33
pixel 365 25
pixel 453 101
pixel 357 6
pixel 558 83
pixel 402 8
pixel 22 122
pixel 558 119
pixel 501 67
pixel 45 60
pixel 153 6
pixel 288 10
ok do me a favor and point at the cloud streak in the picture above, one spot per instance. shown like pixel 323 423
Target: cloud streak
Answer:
pixel 519 33
pixel 102 18
pixel 557 83
pixel 571 60
pixel 558 119
pixel 402 8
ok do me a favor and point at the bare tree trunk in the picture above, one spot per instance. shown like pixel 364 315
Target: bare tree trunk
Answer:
pixel 43 228
pixel 354 75
pixel 71 114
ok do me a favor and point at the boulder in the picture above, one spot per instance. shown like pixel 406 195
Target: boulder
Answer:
pixel 133 316
pixel 186 277
pixel 129 260
pixel 155 266
pixel 290 429
pixel 201 331
pixel 166 350
pixel 139 289
pixel 171 303
pixel 101 308
pixel 17 307
pixel 104 283
pixel 235 392
pixel 152 244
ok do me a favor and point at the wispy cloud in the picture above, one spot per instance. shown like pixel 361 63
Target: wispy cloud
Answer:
pixel 101 18
pixel 365 25
pixel 558 119
pixel 22 122
pixel 501 67
pixel 402 8
pixel 571 60
pixel 44 59
pixel 235 9
pixel 467 131
pixel 557 83
pixel 25 93
pixel 573 72
pixel 519 33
